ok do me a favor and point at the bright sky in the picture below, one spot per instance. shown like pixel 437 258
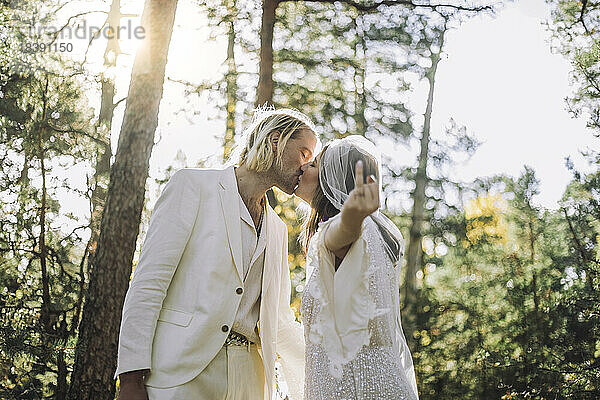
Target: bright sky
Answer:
pixel 499 78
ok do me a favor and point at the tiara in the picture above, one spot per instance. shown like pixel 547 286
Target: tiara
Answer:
pixel 261 113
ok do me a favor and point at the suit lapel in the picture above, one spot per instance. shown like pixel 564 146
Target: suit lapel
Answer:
pixel 269 301
pixel 231 211
pixel 272 250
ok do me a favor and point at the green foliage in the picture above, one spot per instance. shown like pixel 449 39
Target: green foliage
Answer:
pixel 575 26
pixel 239 21
pixel 517 318
pixel 45 130
pixel 333 63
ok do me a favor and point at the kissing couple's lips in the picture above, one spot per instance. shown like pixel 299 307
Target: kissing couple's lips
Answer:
pixel 298 179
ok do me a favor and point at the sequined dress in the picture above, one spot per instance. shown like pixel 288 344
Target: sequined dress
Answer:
pixel 355 347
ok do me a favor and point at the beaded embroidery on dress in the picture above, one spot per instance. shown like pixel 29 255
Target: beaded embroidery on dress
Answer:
pixel 355 347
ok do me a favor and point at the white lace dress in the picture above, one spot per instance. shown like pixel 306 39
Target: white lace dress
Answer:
pixel 355 347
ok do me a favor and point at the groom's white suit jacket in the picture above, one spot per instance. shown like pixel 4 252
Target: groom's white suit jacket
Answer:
pixel 183 297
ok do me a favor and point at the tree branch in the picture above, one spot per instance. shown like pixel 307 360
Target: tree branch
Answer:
pixel 69 22
pixel 583 6
pixel 588 76
pixel 118 102
pixel 370 7
pixel 78 131
pixel 580 248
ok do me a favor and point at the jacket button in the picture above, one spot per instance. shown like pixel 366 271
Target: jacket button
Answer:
pixel 225 328
pixel 239 290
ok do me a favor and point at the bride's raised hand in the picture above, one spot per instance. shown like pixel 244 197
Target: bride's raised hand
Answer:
pixel 364 198
pixel 362 201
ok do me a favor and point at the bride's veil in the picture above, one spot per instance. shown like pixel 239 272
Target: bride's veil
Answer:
pixel 337 180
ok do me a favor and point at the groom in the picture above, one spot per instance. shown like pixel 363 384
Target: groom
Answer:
pixel 207 311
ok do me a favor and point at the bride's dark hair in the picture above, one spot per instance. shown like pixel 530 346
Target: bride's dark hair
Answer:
pixel 322 209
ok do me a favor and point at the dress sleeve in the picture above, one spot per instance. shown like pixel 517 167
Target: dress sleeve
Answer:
pixel 406 361
pixel 169 231
pixel 346 306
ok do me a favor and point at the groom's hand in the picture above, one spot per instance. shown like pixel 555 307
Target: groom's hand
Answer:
pixel 131 386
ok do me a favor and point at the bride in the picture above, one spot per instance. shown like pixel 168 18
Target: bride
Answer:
pixel 355 347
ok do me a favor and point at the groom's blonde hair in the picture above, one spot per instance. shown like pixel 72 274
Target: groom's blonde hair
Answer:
pixel 256 153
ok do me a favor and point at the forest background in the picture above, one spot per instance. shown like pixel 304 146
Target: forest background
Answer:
pixel 500 288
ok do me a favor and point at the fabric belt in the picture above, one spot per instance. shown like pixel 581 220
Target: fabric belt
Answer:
pixel 237 339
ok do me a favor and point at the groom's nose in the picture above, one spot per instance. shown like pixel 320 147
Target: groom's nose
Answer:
pixel 303 167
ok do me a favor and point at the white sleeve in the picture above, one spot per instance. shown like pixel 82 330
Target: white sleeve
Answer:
pixel 169 231
pixel 345 304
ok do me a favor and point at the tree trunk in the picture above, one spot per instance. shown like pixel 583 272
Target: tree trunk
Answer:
pixel 95 356
pixel 414 254
pixel 46 306
pixel 62 372
pixel 360 55
pixel 264 92
pixel 231 86
pixel 102 168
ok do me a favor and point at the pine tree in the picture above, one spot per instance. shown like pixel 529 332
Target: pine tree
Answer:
pixel 96 352
pixel 45 129
pixel 574 26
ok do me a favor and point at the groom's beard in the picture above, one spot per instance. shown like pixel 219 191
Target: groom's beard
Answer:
pixel 287 182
